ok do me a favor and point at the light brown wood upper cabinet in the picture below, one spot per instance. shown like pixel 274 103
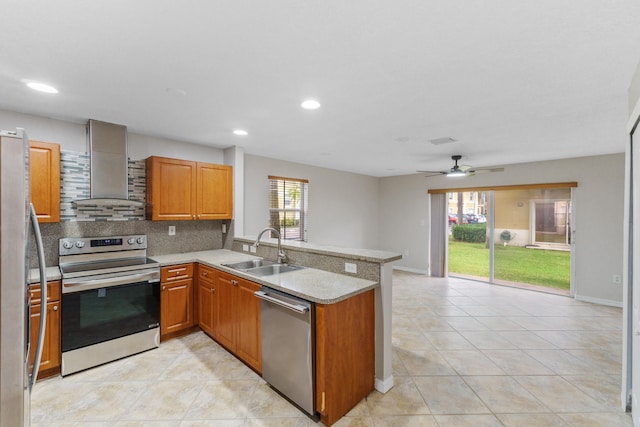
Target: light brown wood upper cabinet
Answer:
pixel 44 180
pixel 186 190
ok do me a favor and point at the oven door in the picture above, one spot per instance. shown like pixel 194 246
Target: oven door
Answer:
pixel 93 312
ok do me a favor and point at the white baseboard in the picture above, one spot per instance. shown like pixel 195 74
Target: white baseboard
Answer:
pixel 600 301
pixel 410 270
pixel 384 386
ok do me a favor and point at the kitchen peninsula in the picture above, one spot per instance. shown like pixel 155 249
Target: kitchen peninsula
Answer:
pixel 344 323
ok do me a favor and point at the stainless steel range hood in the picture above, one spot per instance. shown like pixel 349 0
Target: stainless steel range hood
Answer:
pixel 108 153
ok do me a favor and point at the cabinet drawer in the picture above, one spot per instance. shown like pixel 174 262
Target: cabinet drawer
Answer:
pixel 176 272
pixel 206 273
pixel 53 292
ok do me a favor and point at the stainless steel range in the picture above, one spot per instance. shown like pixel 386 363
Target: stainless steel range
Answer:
pixel 110 300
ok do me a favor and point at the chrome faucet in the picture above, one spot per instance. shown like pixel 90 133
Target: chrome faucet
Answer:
pixel 282 257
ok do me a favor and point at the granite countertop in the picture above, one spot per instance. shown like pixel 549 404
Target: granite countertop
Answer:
pixel 370 255
pixel 309 283
pixel 52 273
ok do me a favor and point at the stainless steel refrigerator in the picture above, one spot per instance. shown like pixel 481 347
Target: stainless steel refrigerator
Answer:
pixel 16 212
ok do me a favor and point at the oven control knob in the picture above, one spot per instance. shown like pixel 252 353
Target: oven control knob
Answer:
pixel 67 245
pixel 79 244
pixel 140 240
pixel 131 241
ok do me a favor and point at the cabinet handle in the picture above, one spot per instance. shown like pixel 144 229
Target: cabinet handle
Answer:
pixel 212 290
pixel 204 273
pixel 164 288
pixel 55 308
pixel 194 217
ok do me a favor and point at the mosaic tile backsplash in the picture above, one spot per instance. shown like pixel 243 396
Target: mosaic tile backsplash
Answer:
pixel 75 185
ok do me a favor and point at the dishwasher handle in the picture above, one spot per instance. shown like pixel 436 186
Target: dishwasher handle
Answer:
pixel 294 307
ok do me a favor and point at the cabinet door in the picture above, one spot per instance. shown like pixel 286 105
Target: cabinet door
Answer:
pixel 345 355
pixel 44 180
pixel 215 191
pixel 171 189
pixel 176 306
pixel 226 314
pixel 51 353
pixel 207 299
pixel 248 309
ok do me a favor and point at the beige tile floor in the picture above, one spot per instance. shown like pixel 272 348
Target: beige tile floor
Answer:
pixel 464 354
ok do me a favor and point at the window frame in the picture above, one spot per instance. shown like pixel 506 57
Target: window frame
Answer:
pixel 300 213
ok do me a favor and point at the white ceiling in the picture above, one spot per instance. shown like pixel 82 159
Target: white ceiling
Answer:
pixel 513 81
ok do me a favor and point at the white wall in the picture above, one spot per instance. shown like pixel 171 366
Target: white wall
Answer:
pixel 73 137
pixel 343 207
pixel 70 136
pixel 598 203
pixel 634 90
pixel 404 220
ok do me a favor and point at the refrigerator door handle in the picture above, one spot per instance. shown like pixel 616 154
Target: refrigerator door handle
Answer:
pixel 43 297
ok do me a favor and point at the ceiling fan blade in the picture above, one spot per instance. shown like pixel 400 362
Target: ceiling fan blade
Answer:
pixel 482 170
pixel 464 168
pixel 435 172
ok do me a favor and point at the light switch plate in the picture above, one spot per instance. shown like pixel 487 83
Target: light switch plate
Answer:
pixel 245 248
pixel 172 230
pixel 252 249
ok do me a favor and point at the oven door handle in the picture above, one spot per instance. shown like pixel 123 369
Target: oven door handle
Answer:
pixel 78 285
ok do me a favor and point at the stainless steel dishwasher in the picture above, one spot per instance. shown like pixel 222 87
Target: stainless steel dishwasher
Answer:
pixel 288 343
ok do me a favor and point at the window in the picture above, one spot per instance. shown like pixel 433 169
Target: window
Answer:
pixel 288 200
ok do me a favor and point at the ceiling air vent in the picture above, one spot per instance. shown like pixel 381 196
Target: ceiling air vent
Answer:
pixel 443 140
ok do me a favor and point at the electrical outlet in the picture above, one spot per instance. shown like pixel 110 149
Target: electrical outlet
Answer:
pixel 224 228
pixel 617 279
pixel 245 248
pixel 350 267
pixel 172 230
pixel 253 249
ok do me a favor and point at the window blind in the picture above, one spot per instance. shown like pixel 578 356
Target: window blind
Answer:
pixel 288 202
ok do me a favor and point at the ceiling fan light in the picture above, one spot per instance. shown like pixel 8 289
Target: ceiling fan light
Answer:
pixel 456 173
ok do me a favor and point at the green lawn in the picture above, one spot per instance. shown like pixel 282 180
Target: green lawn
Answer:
pixel 512 263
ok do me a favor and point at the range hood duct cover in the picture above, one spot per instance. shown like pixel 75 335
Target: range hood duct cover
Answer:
pixel 109 165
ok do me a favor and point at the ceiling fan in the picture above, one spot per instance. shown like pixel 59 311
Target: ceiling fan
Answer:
pixel 461 170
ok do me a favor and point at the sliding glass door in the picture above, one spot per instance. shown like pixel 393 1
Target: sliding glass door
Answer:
pixel 532 237
pixel 519 236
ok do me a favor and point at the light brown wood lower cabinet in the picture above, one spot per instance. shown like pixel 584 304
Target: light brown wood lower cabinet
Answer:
pixel 176 300
pixel 238 321
pixel 207 299
pixel 345 355
pixel 51 350
pixel 248 345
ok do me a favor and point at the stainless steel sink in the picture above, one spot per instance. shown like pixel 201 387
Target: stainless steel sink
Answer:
pixel 247 265
pixel 263 267
pixel 268 270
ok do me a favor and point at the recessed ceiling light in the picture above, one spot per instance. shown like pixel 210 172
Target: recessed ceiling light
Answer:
pixel 240 132
pixel 42 87
pixel 310 104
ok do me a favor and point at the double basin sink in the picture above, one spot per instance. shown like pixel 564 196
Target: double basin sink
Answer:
pixel 263 267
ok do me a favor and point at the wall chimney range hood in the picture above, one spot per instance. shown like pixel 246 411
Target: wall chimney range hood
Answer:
pixel 109 165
